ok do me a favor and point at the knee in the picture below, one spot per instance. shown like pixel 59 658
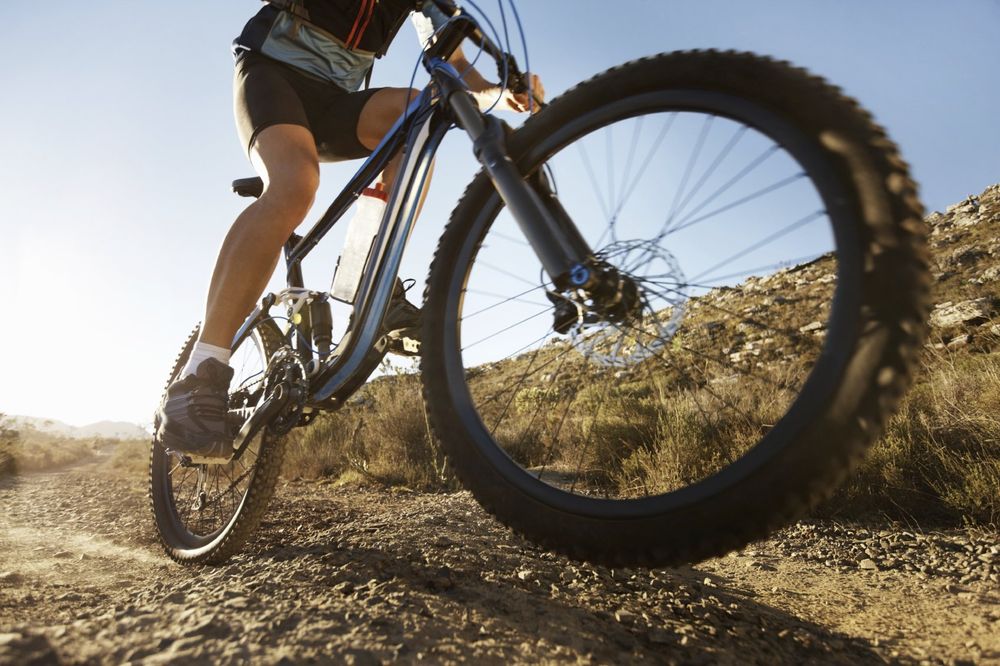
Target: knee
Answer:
pixel 293 191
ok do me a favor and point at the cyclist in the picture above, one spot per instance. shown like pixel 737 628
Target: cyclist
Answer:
pixel 300 65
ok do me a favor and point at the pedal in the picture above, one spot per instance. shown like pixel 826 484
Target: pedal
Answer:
pixel 191 459
pixel 402 345
pixel 209 460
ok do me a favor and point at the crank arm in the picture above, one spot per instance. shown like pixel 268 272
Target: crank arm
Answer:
pixel 258 420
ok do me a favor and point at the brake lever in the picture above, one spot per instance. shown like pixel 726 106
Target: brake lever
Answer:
pixel 517 81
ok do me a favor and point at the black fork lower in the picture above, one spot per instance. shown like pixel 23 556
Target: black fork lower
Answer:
pixel 553 236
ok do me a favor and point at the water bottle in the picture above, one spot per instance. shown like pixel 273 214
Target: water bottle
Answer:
pixel 361 234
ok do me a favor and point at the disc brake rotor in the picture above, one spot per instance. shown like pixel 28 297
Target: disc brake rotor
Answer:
pixel 634 314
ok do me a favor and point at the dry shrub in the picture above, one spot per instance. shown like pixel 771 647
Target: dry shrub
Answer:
pixel 9 438
pixel 382 437
pixel 130 457
pixel 698 432
pixel 939 458
pixel 30 450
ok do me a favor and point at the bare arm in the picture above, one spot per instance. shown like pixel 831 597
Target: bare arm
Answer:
pixel 486 92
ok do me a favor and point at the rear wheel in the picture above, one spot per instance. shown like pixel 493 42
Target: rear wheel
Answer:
pixel 765 294
pixel 205 513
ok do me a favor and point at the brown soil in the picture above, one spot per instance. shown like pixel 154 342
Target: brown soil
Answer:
pixel 348 575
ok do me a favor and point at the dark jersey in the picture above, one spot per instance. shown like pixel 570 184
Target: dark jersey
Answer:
pixel 367 25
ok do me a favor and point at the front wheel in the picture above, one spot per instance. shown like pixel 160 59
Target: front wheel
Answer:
pixel 767 298
pixel 205 513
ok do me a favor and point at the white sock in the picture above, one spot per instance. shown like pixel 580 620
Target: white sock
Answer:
pixel 201 352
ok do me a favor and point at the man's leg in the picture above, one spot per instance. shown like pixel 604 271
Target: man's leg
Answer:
pixel 402 320
pixel 285 157
pixel 377 118
pixel 193 415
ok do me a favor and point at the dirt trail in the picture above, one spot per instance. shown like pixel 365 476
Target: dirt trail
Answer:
pixel 368 576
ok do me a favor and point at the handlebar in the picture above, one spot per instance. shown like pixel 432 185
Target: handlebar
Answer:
pixel 518 82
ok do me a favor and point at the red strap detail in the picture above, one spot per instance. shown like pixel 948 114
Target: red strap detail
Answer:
pixel 364 26
pixel 357 21
pixel 377 193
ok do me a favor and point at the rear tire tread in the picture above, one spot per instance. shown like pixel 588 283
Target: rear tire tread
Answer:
pixel 259 492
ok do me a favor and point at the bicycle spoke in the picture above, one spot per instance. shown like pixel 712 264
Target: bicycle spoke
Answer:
pixel 646 162
pixel 728 148
pixel 507 273
pixel 627 173
pixel 774 187
pixel 505 299
pixel 767 269
pixel 590 436
pixel 793 334
pixel 504 330
pixel 743 173
pixel 518 241
pixel 550 450
pixel 784 231
pixel 692 160
pixel 593 179
pixel 496 396
pixel 670 363
pixel 538 406
pixel 517 388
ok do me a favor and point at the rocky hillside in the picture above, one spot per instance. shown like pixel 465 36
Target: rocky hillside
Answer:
pixel 964 245
pixel 736 360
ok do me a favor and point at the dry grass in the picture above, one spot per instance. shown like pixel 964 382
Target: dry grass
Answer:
pixel 9 439
pixel 131 457
pixel 939 458
pixel 938 461
pixel 382 437
pixel 27 450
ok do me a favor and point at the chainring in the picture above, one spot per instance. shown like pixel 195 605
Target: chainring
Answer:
pixel 286 374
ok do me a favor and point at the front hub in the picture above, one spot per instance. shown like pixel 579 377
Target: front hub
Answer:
pixel 623 316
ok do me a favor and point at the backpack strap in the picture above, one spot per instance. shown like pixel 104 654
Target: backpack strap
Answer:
pixel 294 7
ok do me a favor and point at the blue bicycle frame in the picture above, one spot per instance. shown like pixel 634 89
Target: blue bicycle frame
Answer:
pixel 443 104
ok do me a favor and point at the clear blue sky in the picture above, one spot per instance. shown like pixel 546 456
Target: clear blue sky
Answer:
pixel 118 147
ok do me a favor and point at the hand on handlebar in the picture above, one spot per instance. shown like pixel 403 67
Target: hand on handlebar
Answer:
pixel 511 101
pixel 519 101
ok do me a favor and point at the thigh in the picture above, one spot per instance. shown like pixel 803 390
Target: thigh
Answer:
pixel 264 95
pixel 380 112
pixel 335 120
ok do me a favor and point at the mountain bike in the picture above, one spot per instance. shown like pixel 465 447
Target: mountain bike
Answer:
pixel 667 316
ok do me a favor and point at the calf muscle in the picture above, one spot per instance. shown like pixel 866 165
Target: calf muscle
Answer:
pixel 285 157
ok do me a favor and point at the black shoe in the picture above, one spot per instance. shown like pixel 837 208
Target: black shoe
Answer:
pixel 193 415
pixel 402 323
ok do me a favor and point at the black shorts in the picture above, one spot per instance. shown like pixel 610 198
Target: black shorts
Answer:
pixel 267 92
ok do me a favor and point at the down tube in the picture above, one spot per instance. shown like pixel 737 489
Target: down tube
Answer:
pixel 377 285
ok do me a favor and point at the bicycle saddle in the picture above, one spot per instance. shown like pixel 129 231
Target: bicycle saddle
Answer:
pixel 248 187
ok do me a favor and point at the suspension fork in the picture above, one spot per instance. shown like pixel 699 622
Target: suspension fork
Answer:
pixel 550 231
